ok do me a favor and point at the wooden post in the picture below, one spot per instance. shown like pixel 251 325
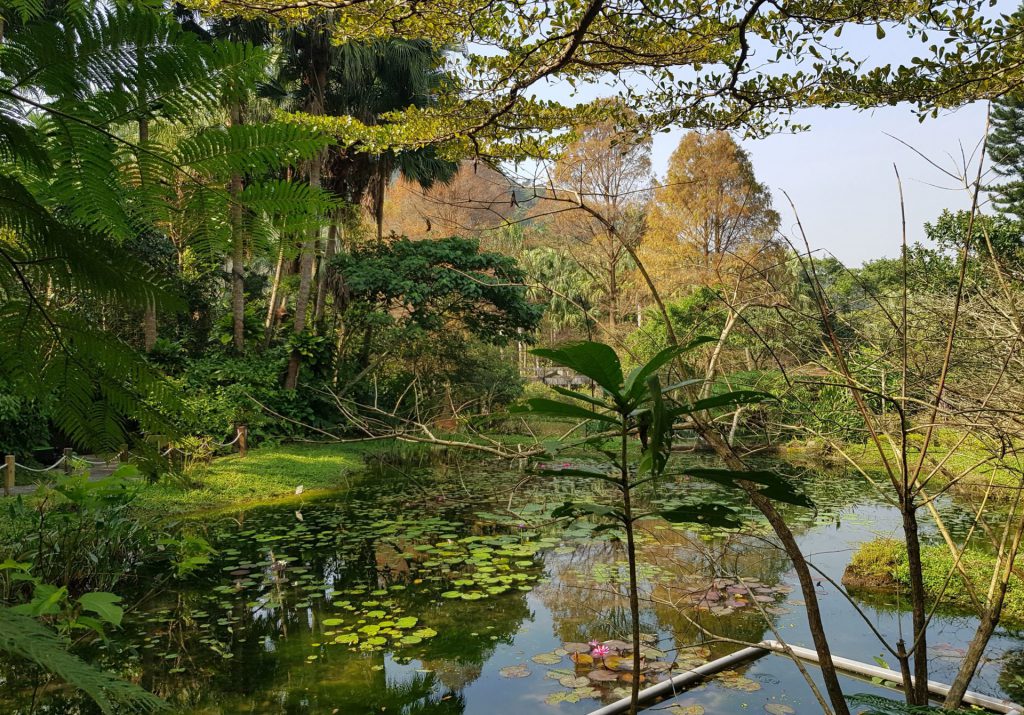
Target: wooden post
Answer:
pixel 8 474
pixel 243 440
pixel 67 460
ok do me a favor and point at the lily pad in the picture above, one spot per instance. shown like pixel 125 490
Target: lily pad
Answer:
pixel 546 659
pixel 686 710
pixel 514 671
pixel 576 647
pixel 572 681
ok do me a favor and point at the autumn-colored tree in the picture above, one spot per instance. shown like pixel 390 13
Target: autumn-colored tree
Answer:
pixel 709 216
pixel 476 202
pixel 594 207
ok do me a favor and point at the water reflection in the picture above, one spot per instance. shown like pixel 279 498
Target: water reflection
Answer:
pixel 289 617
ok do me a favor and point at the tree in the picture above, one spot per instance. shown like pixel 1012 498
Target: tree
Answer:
pixel 610 170
pixel 436 285
pixel 1005 146
pixel 709 214
pixel 370 80
pixel 476 202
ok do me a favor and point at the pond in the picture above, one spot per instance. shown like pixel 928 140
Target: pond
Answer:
pixel 448 589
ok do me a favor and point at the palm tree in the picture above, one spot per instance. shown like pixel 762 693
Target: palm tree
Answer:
pixel 364 80
pixel 370 79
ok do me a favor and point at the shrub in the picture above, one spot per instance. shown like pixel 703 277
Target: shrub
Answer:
pixel 882 563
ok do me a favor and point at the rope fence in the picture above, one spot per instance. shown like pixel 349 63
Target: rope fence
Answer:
pixel 69 458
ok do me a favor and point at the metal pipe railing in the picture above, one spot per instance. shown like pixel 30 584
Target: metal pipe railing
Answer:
pixel 867 670
pixel 689 678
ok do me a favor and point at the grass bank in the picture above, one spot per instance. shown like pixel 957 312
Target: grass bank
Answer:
pixel 880 566
pixel 965 466
pixel 265 474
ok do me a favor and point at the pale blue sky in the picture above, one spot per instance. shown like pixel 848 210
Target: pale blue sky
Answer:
pixel 840 175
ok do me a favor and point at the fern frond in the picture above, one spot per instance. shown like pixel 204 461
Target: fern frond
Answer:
pixel 24 637
pixel 249 148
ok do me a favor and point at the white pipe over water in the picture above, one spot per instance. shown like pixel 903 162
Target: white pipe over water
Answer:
pixel 873 671
pixel 672 686
pixel 688 678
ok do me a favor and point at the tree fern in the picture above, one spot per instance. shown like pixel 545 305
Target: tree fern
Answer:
pixel 24 637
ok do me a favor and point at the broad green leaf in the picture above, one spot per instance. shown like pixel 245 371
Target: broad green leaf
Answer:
pixel 716 515
pixel 46 600
pixel 594 360
pixel 580 396
pixel 104 605
pixel 553 408
pixel 772 484
pixel 637 379
pixel 658 431
pixel 9 564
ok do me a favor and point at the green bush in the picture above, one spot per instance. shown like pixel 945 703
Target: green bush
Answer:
pixel 221 391
pixel 887 559
pixel 23 425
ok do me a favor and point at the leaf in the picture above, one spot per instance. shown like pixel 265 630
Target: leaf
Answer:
pixel 25 637
pixel 706 514
pixel 514 671
pixel 594 360
pixel 637 379
pixel 104 605
pixel 659 434
pixel 773 485
pixel 553 408
pixel 547 658
pixel 45 601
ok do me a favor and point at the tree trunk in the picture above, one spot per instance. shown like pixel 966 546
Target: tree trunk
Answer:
pixel 305 284
pixel 919 615
pixel 149 326
pixel 634 588
pixel 321 276
pixel 237 251
pixel 275 289
pixel 378 203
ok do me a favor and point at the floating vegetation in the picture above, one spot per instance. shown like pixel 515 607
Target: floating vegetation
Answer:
pixel 722 597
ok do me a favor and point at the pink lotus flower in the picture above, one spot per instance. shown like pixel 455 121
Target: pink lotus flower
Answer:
pixel 600 651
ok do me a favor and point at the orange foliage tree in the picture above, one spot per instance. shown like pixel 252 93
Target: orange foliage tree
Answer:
pixel 710 221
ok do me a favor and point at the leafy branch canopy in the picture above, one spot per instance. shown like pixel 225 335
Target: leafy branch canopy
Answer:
pixel 738 64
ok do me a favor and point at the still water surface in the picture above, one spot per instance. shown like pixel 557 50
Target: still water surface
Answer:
pixel 449 590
